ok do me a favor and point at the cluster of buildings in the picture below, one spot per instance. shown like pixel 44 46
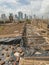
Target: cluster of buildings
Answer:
pixel 19 16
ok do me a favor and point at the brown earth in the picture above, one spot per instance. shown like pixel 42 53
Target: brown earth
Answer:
pixel 11 30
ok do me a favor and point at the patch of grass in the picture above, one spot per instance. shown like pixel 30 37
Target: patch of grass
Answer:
pixel 1 28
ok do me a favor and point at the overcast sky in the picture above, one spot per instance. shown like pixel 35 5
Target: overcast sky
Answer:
pixel 31 7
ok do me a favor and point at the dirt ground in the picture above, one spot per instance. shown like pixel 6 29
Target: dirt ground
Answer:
pixel 10 30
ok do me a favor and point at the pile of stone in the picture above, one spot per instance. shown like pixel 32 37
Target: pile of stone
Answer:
pixel 7 54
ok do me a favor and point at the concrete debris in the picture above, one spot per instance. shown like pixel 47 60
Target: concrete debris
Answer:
pixel 22 54
pixel 2 62
pixel 17 59
pixel 17 54
pixel 29 44
pixel 38 53
pixel 19 49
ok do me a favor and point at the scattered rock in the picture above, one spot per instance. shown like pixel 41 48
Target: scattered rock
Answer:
pixel 17 59
pixel 0 59
pixel 38 53
pixel 9 46
pixel 14 51
pixel 6 49
pixel 2 54
pixel 2 62
pixel 18 45
pixel 22 54
pixel 7 55
pixel 7 59
pixel 11 60
pixel 19 49
pixel 15 63
pixel 17 54
pixel 12 47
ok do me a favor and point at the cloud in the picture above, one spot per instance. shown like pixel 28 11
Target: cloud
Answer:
pixel 9 1
pixel 45 6
pixel 24 2
pixel 30 7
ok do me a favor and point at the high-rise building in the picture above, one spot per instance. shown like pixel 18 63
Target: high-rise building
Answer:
pixel 25 16
pixel 34 16
pixel 11 17
pixel 20 16
pixel 3 16
pixel 16 16
pixel 30 17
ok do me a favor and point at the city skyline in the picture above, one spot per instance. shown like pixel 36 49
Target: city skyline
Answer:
pixel 30 7
pixel 19 16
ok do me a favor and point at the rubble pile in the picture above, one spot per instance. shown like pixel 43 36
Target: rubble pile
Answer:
pixel 31 44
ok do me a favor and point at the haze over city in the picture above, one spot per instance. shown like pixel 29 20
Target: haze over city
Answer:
pixel 30 7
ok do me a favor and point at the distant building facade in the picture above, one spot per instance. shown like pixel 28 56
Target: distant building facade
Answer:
pixel 30 17
pixel 3 16
pixel 16 18
pixel 25 16
pixel 20 16
pixel 11 17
